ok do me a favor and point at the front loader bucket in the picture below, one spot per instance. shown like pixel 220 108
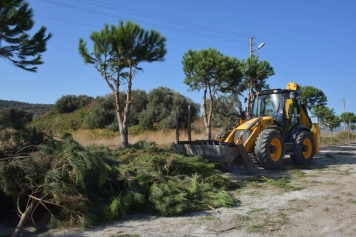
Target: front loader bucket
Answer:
pixel 231 155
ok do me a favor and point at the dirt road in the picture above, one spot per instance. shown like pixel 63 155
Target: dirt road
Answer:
pixel 315 200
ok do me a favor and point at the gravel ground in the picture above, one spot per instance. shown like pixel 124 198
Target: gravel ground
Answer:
pixel 317 200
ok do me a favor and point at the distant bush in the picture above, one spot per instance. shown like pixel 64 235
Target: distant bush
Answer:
pixel 136 129
pixel 161 109
pixel 103 114
pixel 70 103
pixel 154 110
pixel 226 110
pixel 54 122
pixel 114 126
pixel 15 118
pixel 14 135
pixel 139 102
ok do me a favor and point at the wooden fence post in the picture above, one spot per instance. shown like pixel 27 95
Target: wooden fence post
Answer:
pixel 177 126
pixel 189 126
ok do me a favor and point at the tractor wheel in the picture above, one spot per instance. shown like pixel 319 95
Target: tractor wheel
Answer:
pixel 269 149
pixel 303 150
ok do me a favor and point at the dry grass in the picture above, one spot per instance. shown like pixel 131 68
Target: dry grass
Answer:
pixel 112 139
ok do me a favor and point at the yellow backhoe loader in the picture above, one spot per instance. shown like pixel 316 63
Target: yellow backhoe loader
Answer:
pixel 279 125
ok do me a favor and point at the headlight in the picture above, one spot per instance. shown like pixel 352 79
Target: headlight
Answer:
pixel 245 135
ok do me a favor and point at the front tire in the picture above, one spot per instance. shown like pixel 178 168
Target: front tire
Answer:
pixel 303 150
pixel 269 149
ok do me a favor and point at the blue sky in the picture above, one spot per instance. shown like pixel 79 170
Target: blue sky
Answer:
pixel 307 42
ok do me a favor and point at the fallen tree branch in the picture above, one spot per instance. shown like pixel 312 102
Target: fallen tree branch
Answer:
pixel 212 208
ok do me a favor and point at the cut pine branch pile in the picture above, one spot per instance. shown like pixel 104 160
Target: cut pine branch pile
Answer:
pixel 80 186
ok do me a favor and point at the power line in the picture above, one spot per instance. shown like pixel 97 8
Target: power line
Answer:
pixel 278 65
pixel 162 26
pixel 78 23
pixel 156 17
pixel 287 72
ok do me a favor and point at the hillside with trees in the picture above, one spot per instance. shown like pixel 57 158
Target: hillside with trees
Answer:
pixel 36 109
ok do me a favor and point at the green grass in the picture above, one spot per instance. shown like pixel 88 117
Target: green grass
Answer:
pixel 254 210
pixel 282 183
pixel 269 223
pixel 125 235
pixel 210 218
pixel 298 173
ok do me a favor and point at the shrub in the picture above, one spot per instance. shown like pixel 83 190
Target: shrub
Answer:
pixel 70 103
pixel 161 109
pixel 54 122
pixel 15 118
pixel 103 114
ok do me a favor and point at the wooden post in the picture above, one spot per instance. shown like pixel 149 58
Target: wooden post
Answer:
pixel 189 126
pixel 177 126
pixel 34 131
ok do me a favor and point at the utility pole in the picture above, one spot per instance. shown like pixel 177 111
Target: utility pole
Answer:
pixel 251 44
pixel 343 100
pixel 249 93
pixel 250 83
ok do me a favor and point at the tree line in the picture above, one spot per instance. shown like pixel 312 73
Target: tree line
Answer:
pixel 153 110
pixel 36 109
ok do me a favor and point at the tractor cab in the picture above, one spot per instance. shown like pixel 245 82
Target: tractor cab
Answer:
pixel 282 105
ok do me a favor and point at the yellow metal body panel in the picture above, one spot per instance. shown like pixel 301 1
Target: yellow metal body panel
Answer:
pixel 252 132
pixel 230 137
pixel 256 130
pixel 304 119
pixel 316 132
pixel 292 86
pixel 289 108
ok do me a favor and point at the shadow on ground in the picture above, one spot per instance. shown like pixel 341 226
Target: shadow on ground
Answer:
pixel 328 156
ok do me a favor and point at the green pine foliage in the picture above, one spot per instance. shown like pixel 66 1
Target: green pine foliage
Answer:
pixel 173 184
pixel 17 45
pixel 81 186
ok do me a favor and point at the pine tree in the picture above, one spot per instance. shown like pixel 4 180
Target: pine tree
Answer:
pixel 16 44
pixel 210 71
pixel 118 51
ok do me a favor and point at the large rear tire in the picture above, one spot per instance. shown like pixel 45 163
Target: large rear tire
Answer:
pixel 269 149
pixel 303 150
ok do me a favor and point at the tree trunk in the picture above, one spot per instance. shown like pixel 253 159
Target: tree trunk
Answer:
pixel 205 116
pixel 249 103
pixel 123 135
pixel 26 215
pixel 211 105
pixel 124 132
